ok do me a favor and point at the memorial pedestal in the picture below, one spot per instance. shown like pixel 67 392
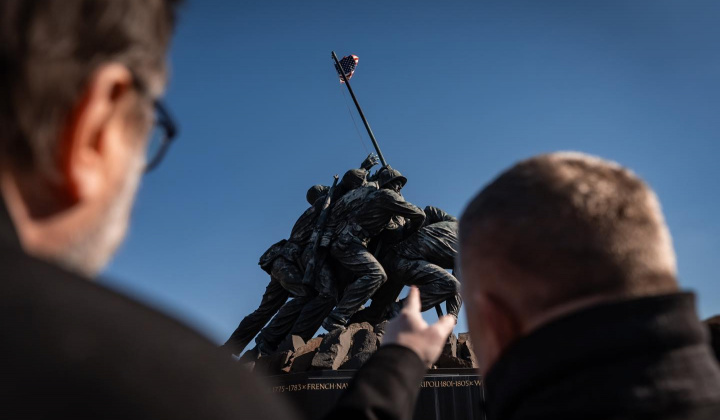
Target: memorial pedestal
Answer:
pixel 447 394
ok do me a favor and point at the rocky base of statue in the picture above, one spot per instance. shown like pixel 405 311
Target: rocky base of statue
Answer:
pixel 347 349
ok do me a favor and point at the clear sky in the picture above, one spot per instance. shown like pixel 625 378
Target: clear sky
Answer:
pixel 455 91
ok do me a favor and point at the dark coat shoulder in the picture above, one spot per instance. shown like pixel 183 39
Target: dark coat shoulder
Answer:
pixel 74 347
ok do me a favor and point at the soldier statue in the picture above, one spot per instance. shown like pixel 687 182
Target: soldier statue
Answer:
pixel 369 217
pixel 280 262
pixel 302 317
pixel 285 261
pixel 422 260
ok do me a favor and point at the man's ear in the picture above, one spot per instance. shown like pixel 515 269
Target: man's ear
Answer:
pixel 84 152
pixel 501 325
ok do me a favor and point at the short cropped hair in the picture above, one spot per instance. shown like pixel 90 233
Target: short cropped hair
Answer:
pixel 48 51
pixel 579 226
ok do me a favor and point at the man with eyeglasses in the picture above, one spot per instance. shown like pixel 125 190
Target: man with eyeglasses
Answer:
pixel 80 82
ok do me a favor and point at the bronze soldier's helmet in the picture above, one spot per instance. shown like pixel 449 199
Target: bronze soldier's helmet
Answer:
pixel 354 178
pixel 315 192
pixel 388 175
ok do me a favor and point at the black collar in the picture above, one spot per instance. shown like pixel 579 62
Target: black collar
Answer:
pixel 609 334
pixel 8 234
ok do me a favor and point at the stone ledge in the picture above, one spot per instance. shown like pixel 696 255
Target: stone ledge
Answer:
pixel 349 349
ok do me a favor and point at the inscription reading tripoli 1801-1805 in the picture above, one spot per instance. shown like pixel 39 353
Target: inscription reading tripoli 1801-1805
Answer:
pixel 332 386
pixel 450 383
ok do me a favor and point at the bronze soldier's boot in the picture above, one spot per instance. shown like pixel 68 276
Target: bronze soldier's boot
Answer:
pixel 331 323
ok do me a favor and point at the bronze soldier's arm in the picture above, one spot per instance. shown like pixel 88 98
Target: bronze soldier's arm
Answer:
pixel 435 214
pixel 395 204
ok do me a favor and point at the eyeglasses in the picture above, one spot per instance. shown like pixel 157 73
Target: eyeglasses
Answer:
pixel 163 132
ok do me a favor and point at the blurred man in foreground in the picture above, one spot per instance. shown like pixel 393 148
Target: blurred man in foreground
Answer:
pixel 568 276
pixel 80 81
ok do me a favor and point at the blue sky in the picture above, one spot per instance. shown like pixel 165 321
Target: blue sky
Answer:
pixel 455 91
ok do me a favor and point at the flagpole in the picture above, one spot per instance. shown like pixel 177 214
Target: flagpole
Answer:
pixel 357 105
pixel 372 136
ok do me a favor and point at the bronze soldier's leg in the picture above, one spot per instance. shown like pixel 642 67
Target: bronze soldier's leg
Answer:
pixel 290 277
pixel 435 283
pixel 369 276
pixel 272 335
pixel 313 314
pixel 273 299
pixel 453 305
pixel 386 295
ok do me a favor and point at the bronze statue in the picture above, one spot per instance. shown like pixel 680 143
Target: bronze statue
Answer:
pixel 340 253
pixel 282 262
pixel 286 262
pixel 370 216
pixel 422 259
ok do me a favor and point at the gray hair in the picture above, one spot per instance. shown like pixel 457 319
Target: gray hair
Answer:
pixel 49 50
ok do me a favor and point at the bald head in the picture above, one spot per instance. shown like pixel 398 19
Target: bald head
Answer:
pixel 565 227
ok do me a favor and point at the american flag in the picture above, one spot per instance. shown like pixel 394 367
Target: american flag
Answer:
pixel 348 65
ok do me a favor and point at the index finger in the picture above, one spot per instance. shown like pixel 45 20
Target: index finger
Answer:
pixel 412 303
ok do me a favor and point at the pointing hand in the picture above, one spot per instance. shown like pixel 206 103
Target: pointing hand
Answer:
pixel 410 330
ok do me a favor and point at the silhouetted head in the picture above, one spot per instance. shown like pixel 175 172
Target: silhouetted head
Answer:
pixel 557 232
pixel 79 82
